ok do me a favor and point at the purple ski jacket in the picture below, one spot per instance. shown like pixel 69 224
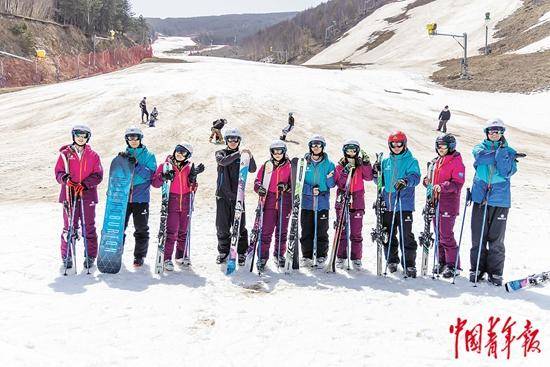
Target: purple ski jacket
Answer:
pixel 449 174
pixel 357 187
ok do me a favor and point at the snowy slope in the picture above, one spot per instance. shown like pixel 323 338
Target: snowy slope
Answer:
pixel 411 47
pixel 202 317
pixel 539 46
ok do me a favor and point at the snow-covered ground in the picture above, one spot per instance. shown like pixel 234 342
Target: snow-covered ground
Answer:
pixel 539 46
pixel 165 44
pixel 202 317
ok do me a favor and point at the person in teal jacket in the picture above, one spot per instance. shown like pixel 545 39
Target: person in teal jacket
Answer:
pixel 138 202
pixel 401 175
pixel 314 217
pixel 495 163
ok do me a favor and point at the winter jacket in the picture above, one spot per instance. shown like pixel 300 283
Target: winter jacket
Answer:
pixel 291 120
pixel 228 173
pixel 316 176
pixel 449 173
pixel 445 115
pixel 143 105
pixel 362 172
pixel 218 124
pixel 494 164
pixel 143 174
pixel 394 168
pixel 86 170
pixel 180 187
pixel 280 174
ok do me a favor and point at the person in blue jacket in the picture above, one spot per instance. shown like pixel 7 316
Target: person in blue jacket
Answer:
pixel 495 163
pixel 318 181
pixel 401 174
pixel 138 202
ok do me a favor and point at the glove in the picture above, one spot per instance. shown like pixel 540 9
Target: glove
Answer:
pixel 377 167
pixel 282 187
pixel 77 187
pixel 315 190
pixel 425 181
pixel 502 141
pixel 66 177
pixel 194 171
pixel 132 160
pixel 349 166
pixel 123 154
pixel 262 191
pixel 169 176
pixel 400 184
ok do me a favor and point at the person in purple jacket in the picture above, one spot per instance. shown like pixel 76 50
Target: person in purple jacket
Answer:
pixel 354 158
pixel 447 181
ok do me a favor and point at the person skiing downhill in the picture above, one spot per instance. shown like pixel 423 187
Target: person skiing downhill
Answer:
pixel 447 181
pixel 79 186
pixel 401 175
pixel 289 127
pixel 278 203
pixel 216 131
pixel 358 161
pixel 143 107
pixel 183 176
pixel 138 202
pixel 228 160
pixel 314 218
pixel 444 117
pixel 495 164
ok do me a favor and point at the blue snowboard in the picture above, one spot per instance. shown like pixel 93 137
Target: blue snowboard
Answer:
pixel 112 233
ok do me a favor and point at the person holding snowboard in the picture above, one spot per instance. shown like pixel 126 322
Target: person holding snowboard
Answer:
pixel 444 117
pixel 319 179
pixel 183 180
pixel 228 160
pixel 138 203
pixel 447 181
pixel 357 162
pixel 216 131
pixel 144 112
pixel 495 164
pixel 277 205
pixel 401 175
pixel 289 127
pixel 78 170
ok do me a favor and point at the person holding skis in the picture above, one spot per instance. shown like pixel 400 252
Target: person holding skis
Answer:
pixel 153 117
pixel 444 117
pixel 78 170
pixel 401 175
pixel 277 205
pixel 319 179
pixel 143 107
pixel 228 160
pixel 183 176
pixel 289 127
pixel 445 186
pixel 495 164
pixel 216 131
pixel 138 202
pixel 357 162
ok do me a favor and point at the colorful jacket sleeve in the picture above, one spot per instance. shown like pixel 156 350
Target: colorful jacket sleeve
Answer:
pixel 456 182
pixel 505 161
pixel 226 159
pixel 331 182
pixel 60 170
pixel 157 177
pixel 413 174
pixel 259 177
pixel 483 156
pixel 146 170
pixel 95 178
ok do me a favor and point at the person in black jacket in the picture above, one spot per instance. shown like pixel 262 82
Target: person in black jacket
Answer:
pixel 444 117
pixel 289 127
pixel 216 130
pixel 144 112
pixel 229 160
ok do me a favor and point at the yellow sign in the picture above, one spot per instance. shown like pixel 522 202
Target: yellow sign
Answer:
pixel 112 34
pixel 41 54
pixel 431 28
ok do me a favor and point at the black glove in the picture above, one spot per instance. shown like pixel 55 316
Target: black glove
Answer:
pixel 349 166
pixel 521 155
pixel 132 160
pixel 194 171
pixel 400 184
pixel 169 176
pixel 66 177
pixel 377 167
pixel 282 187
pixel 262 191
pixel 502 141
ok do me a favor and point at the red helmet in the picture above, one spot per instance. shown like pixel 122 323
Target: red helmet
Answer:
pixel 397 137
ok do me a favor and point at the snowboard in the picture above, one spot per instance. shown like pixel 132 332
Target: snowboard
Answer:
pixel 239 210
pixel 298 175
pixel 165 192
pixel 528 282
pixel 111 245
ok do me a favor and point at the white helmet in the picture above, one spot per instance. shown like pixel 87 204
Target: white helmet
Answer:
pixel 81 129
pixel 184 147
pixel 494 124
pixel 233 133
pixel 133 130
pixel 277 144
pixel 317 138
pixel 351 144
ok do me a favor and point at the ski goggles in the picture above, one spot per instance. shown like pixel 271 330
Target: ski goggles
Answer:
pixel 350 148
pixel 397 144
pixel 232 139
pixel 133 137
pixel 442 146
pixel 495 131
pixel 316 144
pixel 277 151
pixel 181 150
pixel 81 134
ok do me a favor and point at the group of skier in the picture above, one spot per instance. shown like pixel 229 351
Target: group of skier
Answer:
pixel 79 172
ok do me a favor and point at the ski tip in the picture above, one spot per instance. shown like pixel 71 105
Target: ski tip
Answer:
pixel 231 266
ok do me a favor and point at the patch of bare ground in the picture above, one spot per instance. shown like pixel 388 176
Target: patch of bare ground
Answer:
pixel 400 17
pixel 376 39
pixel 166 60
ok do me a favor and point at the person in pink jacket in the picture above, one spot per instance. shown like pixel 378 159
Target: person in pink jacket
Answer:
pixel 447 181
pixel 354 158
pixel 78 170
pixel 277 205
pixel 183 177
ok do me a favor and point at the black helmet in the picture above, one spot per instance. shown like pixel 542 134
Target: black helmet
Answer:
pixel 446 139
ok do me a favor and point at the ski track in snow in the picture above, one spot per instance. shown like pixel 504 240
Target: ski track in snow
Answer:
pixel 201 316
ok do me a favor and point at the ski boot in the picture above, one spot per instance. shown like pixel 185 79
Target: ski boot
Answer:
pixel 89 262
pixel 392 267
pixel 260 265
pixel 411 271
pixel 183 262
pixel 357 264
pixel 448 272
pixel 480 276
pixel 138 262
pixel 222 258
pixel 306 262
pixel 168 265
pixel 241 259
pixel 340 262
pixel 68 263
pixel 279 261
pixel 321 261
pixel 495 280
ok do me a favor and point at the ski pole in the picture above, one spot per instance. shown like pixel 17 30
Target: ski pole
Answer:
pixel 480 242
pixel 466 204
pixel 402 239
pixel 84 239
pixel 348 232
pixel 315 230
pixel 436 243
pixel 280 234
pixel 187 252
pixel 70 234
pixel 391 233
pixel 260 225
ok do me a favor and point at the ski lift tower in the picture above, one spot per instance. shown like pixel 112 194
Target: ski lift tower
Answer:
pixel 432 31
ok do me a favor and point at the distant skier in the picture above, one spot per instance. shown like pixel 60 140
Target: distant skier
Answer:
pixel 401 174
pixel 228 160
pixel 183 176
pixel 447 181
pixel 444 117
pixel 354 158
pixel 278 203
pixel 289 127
pixel 495 163
pixel 143 107
pixel 314 218
pixel 216 131
pixel 153 117
pixel 80 182
pixel 138 202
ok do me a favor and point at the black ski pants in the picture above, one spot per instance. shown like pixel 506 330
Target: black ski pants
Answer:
pixel 395 244
pixel 307 221
pixel 140 216
pixel 145 113
pixel 491 259
pixel 225 214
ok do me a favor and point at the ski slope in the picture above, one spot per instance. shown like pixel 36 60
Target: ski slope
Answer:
pixel 202 317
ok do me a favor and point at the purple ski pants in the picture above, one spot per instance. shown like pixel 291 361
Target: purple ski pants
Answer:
pixel 176 230
pixel 270 226
pixel 447 248
pixel 356 237
pixel 89 219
